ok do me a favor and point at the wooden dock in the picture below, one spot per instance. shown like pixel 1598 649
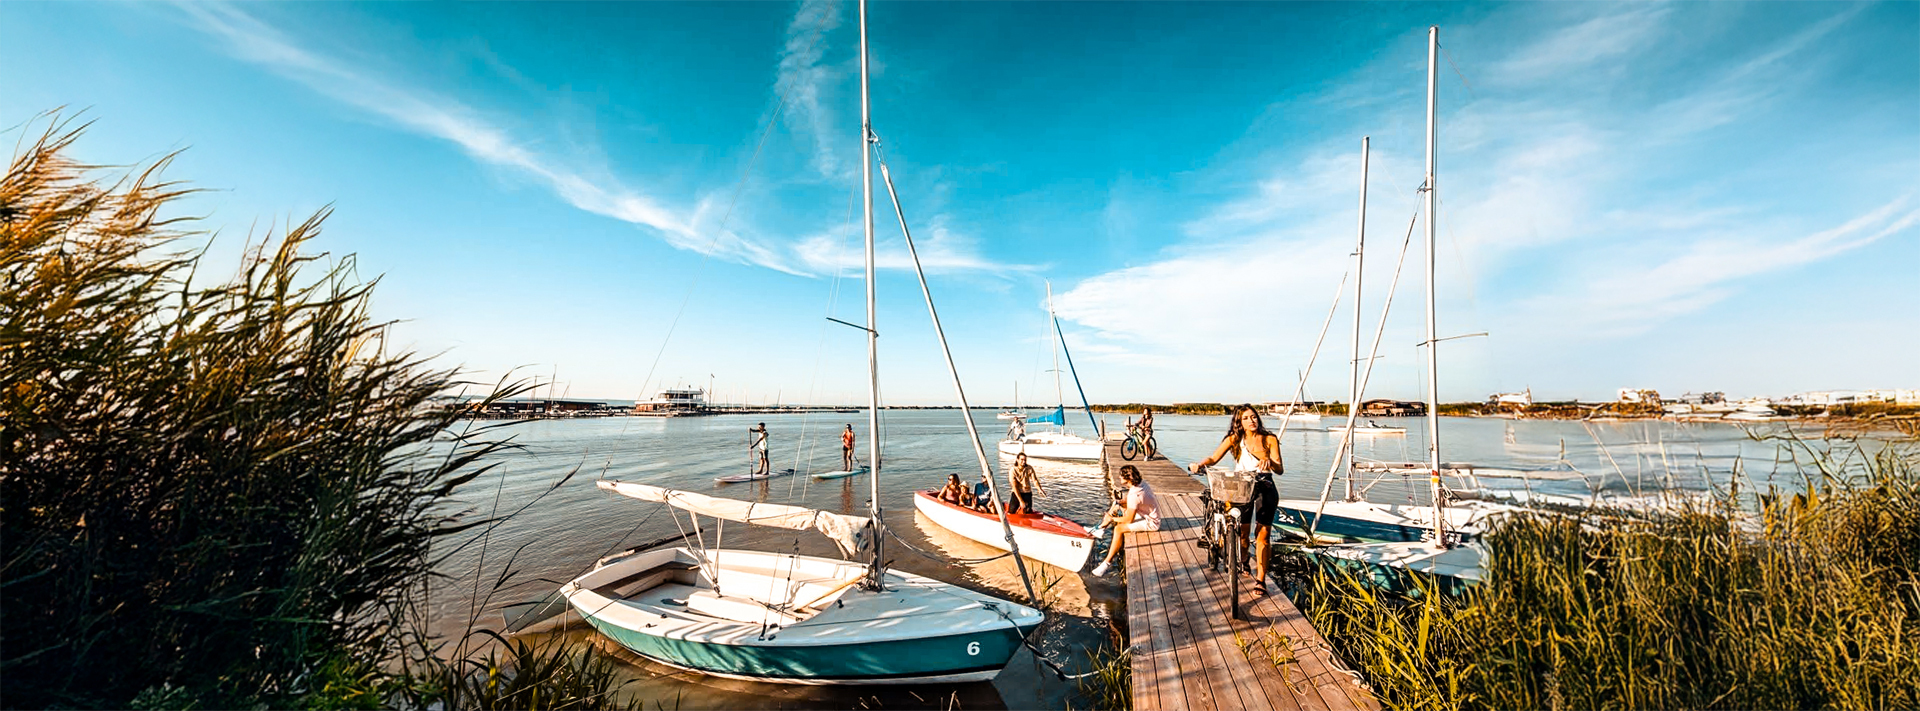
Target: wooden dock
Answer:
pixel 1188 652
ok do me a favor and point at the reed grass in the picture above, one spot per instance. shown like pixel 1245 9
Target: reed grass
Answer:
pixel 219 494
pixel 1807 601
pixel 1110 687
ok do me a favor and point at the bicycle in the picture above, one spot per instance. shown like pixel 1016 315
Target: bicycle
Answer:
pixel 1226 491
pixel 1136 445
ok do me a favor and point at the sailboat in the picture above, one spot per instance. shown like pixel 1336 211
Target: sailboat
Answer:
pixel 1056 443
pixel 1444 523
pixel 788 618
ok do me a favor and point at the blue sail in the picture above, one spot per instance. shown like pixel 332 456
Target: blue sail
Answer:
pixel 1058 417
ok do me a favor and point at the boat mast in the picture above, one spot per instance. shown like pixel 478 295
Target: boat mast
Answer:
pixel 1059 396
pixel 874 573
pixel 1359 272
pixel 1433 343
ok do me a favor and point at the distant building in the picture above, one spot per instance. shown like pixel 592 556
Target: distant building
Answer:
pixel 1392 408
pixel 1280 408
pixel 1906 397
pixel 1650 397
pixel 674 401
pixel 1522 399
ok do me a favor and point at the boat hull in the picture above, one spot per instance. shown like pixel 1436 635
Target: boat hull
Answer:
pixel 1043 537
pixel 1082 450
pixel 1367 522
pixel 916 631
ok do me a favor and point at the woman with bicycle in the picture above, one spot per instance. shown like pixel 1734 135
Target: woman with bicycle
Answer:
pixel 1258 451
pixel 1142 514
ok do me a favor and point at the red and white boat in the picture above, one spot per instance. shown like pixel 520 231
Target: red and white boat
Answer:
pixel 1043 537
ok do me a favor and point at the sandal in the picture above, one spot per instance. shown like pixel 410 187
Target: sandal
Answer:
pixel 1260 590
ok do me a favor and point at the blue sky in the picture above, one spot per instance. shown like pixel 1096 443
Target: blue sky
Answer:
pixel 1682 196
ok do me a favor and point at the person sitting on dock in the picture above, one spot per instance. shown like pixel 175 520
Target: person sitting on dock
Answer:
pixel 1142 513
pixel 1256 451
pixel 846 447
pixel 759 446
pixel 954 493
pixel 1025 482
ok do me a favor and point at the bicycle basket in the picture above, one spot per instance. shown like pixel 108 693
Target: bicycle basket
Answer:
pixel 1230 486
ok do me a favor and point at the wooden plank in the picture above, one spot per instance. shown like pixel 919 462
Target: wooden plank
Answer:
pixel 1196 679
pixel 1167 681
pixel 1208 593
pixel 1217 655
pixel 1325 670
pixel 1140 644
pixel 1186 655
pixel 1259 668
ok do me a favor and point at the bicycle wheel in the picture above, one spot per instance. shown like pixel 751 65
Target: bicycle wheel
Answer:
pixel 1129 449
pixel 1211 536
pixel 1233 566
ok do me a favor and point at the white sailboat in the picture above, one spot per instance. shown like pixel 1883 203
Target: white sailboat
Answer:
pixel 797 619
pixel 1056 443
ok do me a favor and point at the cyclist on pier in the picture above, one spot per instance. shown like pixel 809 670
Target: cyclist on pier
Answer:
pixel 1258 451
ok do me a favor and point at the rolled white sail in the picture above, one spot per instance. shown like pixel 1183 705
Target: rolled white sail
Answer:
pixel 848 532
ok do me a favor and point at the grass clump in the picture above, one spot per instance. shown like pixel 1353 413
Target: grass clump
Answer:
pixel 212 495
pixel 1813 603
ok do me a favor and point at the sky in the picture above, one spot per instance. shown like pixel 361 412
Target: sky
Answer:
pixel 620 196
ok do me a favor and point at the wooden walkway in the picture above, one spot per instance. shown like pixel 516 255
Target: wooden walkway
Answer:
pixel 1188 652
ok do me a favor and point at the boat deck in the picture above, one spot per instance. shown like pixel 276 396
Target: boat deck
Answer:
pixel 1188 652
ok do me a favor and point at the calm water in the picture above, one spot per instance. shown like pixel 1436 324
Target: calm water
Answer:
pixel 559 535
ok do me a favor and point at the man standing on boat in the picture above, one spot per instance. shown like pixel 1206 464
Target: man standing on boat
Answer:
pixel 761 466
pixel 1025 482
pixel 846 447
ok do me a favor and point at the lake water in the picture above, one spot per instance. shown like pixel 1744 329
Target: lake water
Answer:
pixel 563 530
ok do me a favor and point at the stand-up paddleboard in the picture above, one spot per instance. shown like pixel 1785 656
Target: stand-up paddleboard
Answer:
pixel 737 478
pixel 842 474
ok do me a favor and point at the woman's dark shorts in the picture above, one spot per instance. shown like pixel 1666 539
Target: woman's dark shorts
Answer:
pixel 1265 503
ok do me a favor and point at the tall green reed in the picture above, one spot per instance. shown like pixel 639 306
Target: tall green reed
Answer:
pixel 211 494
pixel 1812 602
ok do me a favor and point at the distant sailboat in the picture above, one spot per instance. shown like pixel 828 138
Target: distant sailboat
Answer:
pixel 1056 443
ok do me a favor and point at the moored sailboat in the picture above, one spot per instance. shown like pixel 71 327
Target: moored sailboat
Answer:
pixel 788 618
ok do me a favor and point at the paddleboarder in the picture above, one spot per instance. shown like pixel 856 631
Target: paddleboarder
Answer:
pixel 846 447
pixel 761 466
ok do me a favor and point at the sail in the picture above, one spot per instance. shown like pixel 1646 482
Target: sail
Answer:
pixel 848 532
pixel 1057 417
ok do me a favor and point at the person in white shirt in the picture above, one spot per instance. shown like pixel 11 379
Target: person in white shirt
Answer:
pixel 759 447
pixel 1142 513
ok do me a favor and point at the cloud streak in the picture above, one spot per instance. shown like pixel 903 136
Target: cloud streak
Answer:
pixel 448 120
pixel 804 80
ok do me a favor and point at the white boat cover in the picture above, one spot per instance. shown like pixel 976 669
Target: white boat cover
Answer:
pixel 848 532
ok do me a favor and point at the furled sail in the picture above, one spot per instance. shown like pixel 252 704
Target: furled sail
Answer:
pixel 848 532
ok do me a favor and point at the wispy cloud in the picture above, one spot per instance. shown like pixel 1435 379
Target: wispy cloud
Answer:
pixel 1584 45
pixel 942 249
pixel 1639 292
pixel 438 117
pixel 804 80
